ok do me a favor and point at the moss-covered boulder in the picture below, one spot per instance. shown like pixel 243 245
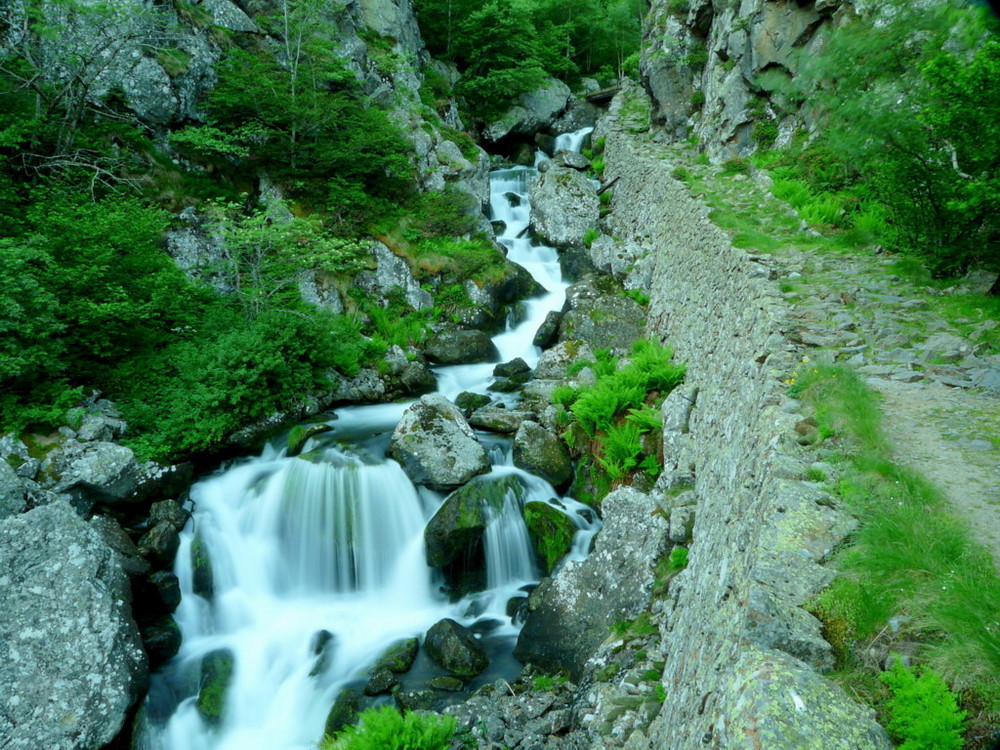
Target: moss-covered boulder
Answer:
pixel 469 402
pixel 344 711
pixel 538 451
pixel 458 347
pixel 399 657
pixel 454 648
pixel 202 578
pixel 551 532
pixel 301 433
pixel 216 676
pixel 456 530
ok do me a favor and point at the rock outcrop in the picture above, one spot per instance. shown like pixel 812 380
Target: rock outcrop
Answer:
pixel 71 661
pixel 532 113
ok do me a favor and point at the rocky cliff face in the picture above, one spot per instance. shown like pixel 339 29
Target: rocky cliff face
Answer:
pixel 701 61
pixel 158 59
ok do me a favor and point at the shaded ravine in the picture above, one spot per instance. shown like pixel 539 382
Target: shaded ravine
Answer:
pixel 317 563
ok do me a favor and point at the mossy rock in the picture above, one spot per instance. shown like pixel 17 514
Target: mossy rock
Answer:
pixel 399 657
pixel 216 676
pixel 551 532
pixel 301 433
pixel 202 577
pixel 454 648
pixel 344 711
pixel 456 530
pixel 538 451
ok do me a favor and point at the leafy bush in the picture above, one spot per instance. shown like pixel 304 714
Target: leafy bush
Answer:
pixel 923 711
pixel 386 729
pixel 565 395
pixel 622 445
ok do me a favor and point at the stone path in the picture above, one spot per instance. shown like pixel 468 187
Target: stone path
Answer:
pixel 939 378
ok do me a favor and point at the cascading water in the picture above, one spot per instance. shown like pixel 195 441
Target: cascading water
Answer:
pixel 317 566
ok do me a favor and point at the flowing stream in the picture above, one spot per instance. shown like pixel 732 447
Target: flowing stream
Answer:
pixel 317 566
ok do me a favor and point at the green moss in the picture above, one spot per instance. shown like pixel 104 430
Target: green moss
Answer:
pixel 216 676
pixel 551 532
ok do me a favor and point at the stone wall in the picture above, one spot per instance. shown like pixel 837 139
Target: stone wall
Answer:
pixel 743 658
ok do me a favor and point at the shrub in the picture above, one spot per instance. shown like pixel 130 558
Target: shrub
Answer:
pixel 565 395
pixel 923 710
pixel 678 559
pixel 735 166
pixel 622 446
pixel 386 729
pixel 697 99
pixel 590 235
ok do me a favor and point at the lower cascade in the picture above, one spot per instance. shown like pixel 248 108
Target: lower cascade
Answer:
pixel 298 574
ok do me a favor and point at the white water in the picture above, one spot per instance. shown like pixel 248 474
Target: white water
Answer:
pixel 299 548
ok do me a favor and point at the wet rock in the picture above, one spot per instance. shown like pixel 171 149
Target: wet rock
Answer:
pixel 323 645
pixel 548 332
pixel 202 578
pixel 448 684
pixel 216 676
pixel 551 532
pixel 160 543
pixel 417 379
pixel 117 539
pixel 400 656
pixel 167 589
pixel 569 614
pixel 455 532
pixel 538 451
pixel 344 711
pixel 300 434
pixel 415 700
pixel 504 385
pixel 461 347
pixel 453 648
pixel 382 681
pixel 65 685
pixel 564 207
pixel 512 369
pixel 469 402
pixel 517 609
pixel 435 445
pixel 499 420
pixel 170 512
pixel 161 639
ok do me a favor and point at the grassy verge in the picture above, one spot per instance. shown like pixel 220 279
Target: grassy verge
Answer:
pixel 911 578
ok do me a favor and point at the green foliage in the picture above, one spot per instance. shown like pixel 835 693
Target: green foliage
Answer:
pixel 697 99
pixel 622 445
pixel 564 395
pixel 924 714
pixel 457 260
pixel 386 729
pixel 931 165
pixel 590 235
pixel 507 47
pixel 678 559
pixel 736 166
pixel 548 682
pixel 911 553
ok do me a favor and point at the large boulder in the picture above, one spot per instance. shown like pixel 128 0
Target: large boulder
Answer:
pixel 569 615
pixel 564 206
pixel 456 347
pixel 495 419
pixel 456 530
pixel 600 313
pixel 554 363
pixel 215 679
pixel 534 111
pixel 538 451
pixel 453 647
pixel 93 472
pixel 435 445
pixel 71 662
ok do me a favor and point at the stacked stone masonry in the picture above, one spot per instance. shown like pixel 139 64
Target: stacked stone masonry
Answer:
pixel 743 658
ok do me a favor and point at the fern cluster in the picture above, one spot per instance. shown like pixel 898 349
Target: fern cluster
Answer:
pixel 386 729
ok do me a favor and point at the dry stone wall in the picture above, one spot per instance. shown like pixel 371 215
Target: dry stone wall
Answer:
pixel 743 658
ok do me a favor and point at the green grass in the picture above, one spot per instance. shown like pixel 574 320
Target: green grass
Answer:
pixel 911 556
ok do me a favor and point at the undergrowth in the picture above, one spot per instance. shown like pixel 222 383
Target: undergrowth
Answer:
pixel 911 571
pixel 387 729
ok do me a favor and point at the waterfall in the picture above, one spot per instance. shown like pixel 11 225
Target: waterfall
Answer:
pixel 317 566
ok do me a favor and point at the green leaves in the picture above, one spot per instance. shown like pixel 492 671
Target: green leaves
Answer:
pixel 923 710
